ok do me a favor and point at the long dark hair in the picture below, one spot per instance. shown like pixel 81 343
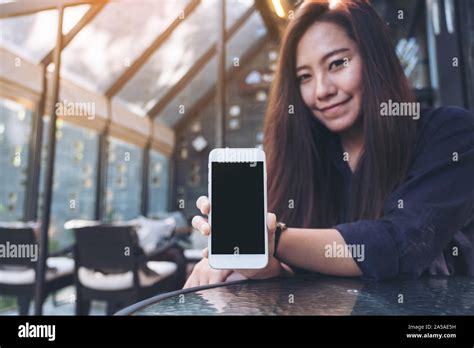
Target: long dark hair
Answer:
pixel 304 188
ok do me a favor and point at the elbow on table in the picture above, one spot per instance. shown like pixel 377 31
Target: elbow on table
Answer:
pixel 393 269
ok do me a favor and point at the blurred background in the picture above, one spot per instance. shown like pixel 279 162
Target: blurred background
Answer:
pixel 146 88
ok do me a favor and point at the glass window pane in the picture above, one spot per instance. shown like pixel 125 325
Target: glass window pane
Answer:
pixel 33 36
pixel 75 177
pixel 158 185
pixel 15 135
pixel 119 34
pixel 178 54
pixel 238 45
pixel 123 181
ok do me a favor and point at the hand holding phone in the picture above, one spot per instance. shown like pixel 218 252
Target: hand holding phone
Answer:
pixel 204 274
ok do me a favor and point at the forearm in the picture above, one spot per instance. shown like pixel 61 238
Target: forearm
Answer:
pixel 307 249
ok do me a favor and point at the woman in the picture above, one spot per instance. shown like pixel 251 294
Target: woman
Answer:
pixel 366 190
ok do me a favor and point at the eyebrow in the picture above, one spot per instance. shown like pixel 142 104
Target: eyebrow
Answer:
pixel 326 56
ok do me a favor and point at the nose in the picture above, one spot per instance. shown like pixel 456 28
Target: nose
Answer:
pixel 325 89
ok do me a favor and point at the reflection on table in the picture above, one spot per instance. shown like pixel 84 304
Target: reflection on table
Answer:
pixel 318 295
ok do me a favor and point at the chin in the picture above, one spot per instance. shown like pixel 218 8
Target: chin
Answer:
pixel 339 124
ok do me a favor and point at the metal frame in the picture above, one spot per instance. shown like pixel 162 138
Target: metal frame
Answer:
pixel 443 46
pixel 145 176
pixel 221 75
pixel 171 181
pixel 146 172
pixel 142 304
pixel 86 18
pixel 103 160
pixel 49 174
pixel 34 160
pixel 197 66
pixel 101 163
pixel 264 7
pixel 23 8
pixel 138 63
pixel 211 92
pixel 465 19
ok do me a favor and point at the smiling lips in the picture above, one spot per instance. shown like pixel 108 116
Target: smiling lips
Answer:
pixel 334 106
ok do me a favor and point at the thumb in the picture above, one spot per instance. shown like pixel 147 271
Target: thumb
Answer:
pixel 271 223
pixel 205 253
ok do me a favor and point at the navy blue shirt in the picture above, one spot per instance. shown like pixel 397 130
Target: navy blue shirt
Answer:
pixel 432 231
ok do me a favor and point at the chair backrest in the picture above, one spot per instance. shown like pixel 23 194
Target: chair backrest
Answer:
pixel 107 248
pixel 18 246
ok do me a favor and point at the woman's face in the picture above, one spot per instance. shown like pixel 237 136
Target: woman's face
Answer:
pixel 329 73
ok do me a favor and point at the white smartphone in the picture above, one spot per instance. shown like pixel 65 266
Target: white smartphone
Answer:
pixel 238 215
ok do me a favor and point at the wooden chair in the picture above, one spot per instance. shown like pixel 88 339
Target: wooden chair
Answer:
pixel 110 266
pixel 18 274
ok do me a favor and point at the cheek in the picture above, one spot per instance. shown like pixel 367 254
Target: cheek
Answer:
pixel 306 94
pixel 351 80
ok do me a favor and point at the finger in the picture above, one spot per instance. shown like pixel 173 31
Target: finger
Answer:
pixel 219 277
pixel 204 278
pixel 226 275
pixel 193 279
pixel 215 277
pixel 205 228
pixel 201 224
pixel 194 282
pixel 190 282
pixel 271 223
pixel 205 253
pixel 203 205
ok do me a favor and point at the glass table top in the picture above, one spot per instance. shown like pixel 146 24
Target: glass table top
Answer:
pixel 317 295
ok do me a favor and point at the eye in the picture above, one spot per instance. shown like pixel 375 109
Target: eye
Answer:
pixel 338 63
pixel 303 78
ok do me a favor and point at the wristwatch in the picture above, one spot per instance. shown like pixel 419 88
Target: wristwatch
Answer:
pixel 281 226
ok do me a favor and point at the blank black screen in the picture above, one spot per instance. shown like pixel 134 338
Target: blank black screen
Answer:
pixel 237 208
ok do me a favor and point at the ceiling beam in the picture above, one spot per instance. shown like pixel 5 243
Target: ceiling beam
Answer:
pixel 197 66
pixel 195 108
pixel 88 16
pixel 270 19
pixel 211 92
pixel 23 8
pixel 138 63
